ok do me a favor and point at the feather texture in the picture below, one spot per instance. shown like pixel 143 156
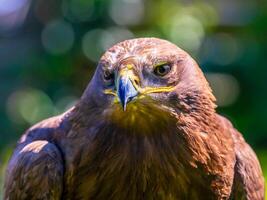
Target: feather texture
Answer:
pixel 169 145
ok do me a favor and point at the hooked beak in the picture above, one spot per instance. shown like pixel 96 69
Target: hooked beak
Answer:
pixel 125 89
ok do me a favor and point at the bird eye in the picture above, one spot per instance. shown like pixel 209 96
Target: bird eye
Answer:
pixel 108 77
pixel 162 69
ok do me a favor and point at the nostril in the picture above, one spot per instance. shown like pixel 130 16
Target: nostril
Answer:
pixel 136 82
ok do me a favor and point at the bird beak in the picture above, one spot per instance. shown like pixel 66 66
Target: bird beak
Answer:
pixel 125 87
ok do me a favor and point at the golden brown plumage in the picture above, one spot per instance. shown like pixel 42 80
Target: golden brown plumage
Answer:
pixel 167 142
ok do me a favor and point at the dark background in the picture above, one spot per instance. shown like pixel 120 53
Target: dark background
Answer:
pixel 49 50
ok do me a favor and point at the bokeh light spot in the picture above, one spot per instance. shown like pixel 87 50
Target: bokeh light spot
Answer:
pixel 91 44
pixel 9 6
pixel 58 37
pixel 225 87
pixel 186 31
pixel 65 103
pixel 204 12
pixel 117 34
pixel 29 105
pixel 127 12
pixel 12 14
pixel 97 41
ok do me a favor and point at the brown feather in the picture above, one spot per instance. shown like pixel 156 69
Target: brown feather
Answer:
pixel 165 146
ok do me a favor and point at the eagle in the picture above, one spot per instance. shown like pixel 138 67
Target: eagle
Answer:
pixel 146 127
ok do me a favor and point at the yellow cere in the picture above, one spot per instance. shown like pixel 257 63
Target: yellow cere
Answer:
pixel 142 91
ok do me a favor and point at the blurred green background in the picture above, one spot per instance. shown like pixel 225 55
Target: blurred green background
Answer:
pixel 49 50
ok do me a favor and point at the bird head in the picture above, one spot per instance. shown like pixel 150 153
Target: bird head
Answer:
pixel 148 71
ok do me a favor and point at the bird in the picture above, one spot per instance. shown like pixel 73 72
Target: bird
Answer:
pixel 146 127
